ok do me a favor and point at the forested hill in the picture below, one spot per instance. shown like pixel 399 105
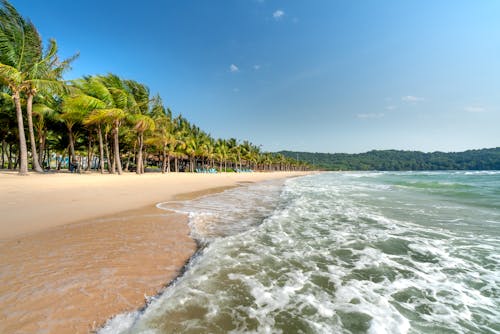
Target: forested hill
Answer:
pixel 390 160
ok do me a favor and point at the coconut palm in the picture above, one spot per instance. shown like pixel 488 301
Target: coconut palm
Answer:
pixel 138 113
pixel 222 153
pixel 194 147
pixel 7 124
pixel 47 109
pixel 164 139
pixel 45 75
pixel 26 68
pixel 106 99
pixel 20 48
pixel 141 123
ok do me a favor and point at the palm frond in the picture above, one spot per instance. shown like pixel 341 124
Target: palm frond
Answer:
pixel 84 102
pixel 10 75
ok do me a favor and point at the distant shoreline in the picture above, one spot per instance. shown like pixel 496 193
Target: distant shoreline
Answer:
pixel 398 160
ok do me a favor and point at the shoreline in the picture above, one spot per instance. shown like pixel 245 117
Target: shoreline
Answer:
pixel 96 267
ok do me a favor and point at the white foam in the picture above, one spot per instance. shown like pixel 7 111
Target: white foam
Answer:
pixel 338 246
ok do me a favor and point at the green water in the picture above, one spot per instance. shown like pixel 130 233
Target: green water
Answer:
pixel 340 253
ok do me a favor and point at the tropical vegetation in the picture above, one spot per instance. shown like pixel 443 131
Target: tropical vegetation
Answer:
pixel 393 160
pixel 104 123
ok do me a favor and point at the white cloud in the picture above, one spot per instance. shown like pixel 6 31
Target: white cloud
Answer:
pixel 475 109
pixel 370 115
pixel 411 98
pixel 278 15
pixel 391 108
pixel 233 68
pixel 256 67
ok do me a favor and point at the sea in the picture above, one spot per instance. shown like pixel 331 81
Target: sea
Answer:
pixel 339 252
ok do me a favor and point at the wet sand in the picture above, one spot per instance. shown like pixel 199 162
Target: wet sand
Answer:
pixel 70 278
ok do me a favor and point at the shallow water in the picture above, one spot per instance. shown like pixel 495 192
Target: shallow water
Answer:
pixel 410 252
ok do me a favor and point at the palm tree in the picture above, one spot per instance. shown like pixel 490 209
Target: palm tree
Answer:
pixel 26 68
pixel 193 148
pixel 164 139
pixel 222 153
pixel 141 123
pixel 7 124
pixel 20 48
pixel 47 109
pixel 139 115
pixel 106 99
pixel 45 76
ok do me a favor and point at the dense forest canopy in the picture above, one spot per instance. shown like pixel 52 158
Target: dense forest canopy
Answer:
pixel 393 160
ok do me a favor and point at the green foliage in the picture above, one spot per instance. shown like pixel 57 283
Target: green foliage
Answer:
pixel 393 160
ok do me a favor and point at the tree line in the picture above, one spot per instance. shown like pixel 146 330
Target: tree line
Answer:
pixel 395 160
pixel 101 122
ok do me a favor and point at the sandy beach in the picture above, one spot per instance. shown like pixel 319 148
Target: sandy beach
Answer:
pixel 77 249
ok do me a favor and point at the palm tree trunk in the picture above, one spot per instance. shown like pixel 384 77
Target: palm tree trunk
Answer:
pixel 4 152
pixel 111 169
pixel 9 164
pixel 23 150
pixel 101 149
pixel 34 155
pixel 41 141
pixel 168 163
pixel 117 149
pixel 164 163
pixel 139 155
pixel 47 155
pixel 18 158
pixel 144 161
pixel 127 164
pixel 176 163
pixel 112 154
pixel 71 144
pixel 89 152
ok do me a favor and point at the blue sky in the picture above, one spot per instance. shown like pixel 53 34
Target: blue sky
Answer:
pixel 321 75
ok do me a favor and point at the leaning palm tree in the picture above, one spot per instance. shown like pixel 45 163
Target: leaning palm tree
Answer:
pixel 139 115
pixel 141 123
pixel 221 153
pixel 45 110
pixel 106 99
pixel 164 139
pixel 20 48
pixel 46 76
pixel 26 68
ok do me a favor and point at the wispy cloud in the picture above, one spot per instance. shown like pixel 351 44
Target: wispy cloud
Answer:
pixel 411 98
pixel 278 14
pixel 391 108
pixel 370 115
pixel 256 67
pixel 233 68
pixel 475 109
pixel 236 90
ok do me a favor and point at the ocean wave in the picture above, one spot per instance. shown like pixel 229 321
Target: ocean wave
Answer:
pixel 326 260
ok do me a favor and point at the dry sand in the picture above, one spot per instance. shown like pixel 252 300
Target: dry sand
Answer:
pixel 77 249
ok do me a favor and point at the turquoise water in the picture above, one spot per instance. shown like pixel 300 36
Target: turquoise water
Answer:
pixel 409 252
